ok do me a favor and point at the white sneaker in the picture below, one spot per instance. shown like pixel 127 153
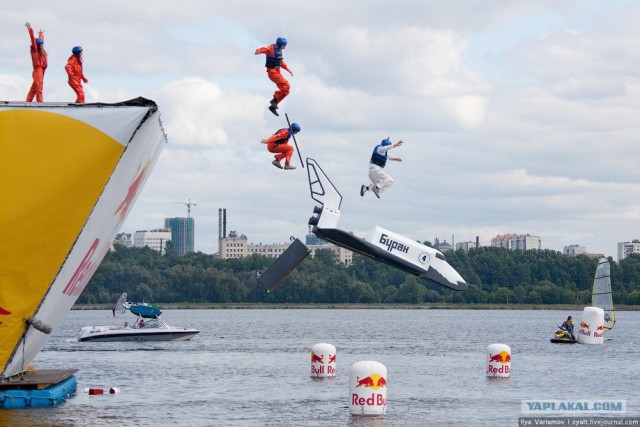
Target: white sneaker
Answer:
pixel 376 191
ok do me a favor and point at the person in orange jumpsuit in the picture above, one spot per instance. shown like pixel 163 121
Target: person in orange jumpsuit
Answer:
pixel 74 70
pixel 39 60
pixel 279 143
pixel 274 63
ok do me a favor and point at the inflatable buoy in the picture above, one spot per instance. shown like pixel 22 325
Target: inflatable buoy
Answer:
pixel 498 361
pixel 323 360
pixel 368 388
pixel 591 326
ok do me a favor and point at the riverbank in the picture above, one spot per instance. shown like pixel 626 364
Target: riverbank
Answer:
pixel 431 306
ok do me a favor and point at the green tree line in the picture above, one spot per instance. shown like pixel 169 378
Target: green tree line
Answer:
pixel 495 275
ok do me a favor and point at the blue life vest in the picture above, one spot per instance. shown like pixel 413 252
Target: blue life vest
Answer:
pixel 283 140
pixel 378 159
pixel 274 61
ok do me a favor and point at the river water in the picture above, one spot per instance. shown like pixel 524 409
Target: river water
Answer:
pixel 251 367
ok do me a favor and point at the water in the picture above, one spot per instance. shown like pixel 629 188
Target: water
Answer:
pixel 251 368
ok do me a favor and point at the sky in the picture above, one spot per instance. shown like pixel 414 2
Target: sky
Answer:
pixel 516 116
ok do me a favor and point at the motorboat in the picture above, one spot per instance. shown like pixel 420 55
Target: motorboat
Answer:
pixel 152 329
pixel 148 326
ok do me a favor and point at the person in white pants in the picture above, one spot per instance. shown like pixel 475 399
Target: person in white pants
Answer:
pixel 380 180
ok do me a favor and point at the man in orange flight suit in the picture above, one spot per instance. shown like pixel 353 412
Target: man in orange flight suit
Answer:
pixel 39 60
pixel 74 70
pixel 273 64
pixel 279 143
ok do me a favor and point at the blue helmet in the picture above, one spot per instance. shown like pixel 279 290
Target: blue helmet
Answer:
pixel 281 41
pixel 295 127
pixel 76 50
pixel 39 41
pixel 385 142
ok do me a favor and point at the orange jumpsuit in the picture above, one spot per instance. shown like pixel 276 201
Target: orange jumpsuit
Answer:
pixel 279 143
pixel 39 60
pixel 74 70
pixel 275 75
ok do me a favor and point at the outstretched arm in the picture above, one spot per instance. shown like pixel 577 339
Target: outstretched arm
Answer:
pixel 397 144
pixel 33 39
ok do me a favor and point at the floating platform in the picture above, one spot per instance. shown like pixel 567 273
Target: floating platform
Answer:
pixel 45 387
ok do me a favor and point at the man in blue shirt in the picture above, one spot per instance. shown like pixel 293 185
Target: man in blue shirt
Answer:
pixel 380 180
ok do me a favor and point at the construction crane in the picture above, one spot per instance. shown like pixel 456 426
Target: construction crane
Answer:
pixel 189 204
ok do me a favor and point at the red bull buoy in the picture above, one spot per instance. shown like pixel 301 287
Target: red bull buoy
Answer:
pixel 591 328
pixel 368 388
pixel 323 360
pixel 498 361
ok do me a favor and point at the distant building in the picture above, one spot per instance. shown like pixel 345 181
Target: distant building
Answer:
pixel 233 246
pixel 345 256
pixel 465 246
pixel 627 248
pixel 182 234
pixel 154 239
pixel 574 250
pixel 271 250
pixel 236 245
pixel 523 242
pixel 124 239
pixel 595 256
pixel 442 246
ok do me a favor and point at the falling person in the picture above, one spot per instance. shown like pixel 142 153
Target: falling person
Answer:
pixel 380 180
pixel 279 143
pixel 273 63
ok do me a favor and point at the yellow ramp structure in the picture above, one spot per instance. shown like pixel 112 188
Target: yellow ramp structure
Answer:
pixel 69 175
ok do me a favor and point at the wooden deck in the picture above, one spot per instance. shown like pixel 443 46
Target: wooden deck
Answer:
pixel 38 380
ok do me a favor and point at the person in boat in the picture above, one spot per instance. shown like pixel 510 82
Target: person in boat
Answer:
pixel 75 73
pixel 567 325
pixel 141 324
pixel 279 143
pixel 380 180
pixel 274 63
pixel 39 61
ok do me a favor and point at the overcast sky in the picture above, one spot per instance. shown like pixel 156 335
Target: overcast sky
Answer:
pixel 517 116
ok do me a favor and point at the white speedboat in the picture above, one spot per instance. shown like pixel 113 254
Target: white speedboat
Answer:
pixel 148 326
pixel 154 329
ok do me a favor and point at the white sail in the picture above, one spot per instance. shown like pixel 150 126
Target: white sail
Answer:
pixel 120 304
pixel 601 293
pixel 69 175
